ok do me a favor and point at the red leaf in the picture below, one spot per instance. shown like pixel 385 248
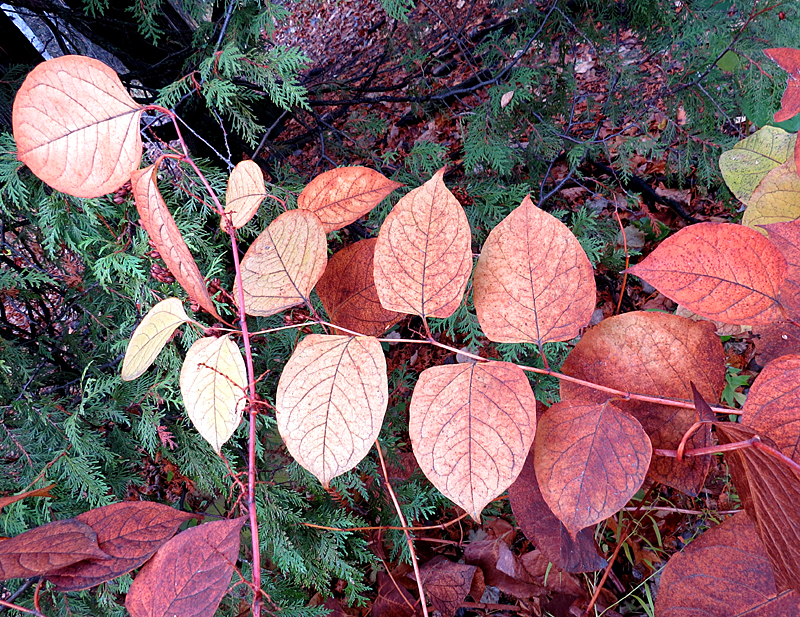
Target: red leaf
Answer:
pixel 130 532
pixel 775 340
pixel 786 236
pixel 789 60
pixel 189 575
pixel 47 548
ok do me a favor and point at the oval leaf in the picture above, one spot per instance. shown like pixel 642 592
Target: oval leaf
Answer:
pixel 533 282
pixel 331 399
pixel 347 291
pixel 590 459
pixel 776 200
pixel 151 335
pixel 245 193
pixel 282 266
pixel 749 161
pixel 76 127
pixel 189 575
pixel 340 196
pixel 446 583
pixel 658 355
pixel 724 272
pixel 786 236
pixel 423 257
pixel 213 379
pixel 471 426
pixel 160 226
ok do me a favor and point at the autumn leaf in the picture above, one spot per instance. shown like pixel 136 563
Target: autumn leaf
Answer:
pixel 471 426
pixel 786 236
pixel 39 492
pixel 393 600
pixel 347 291
pixel 775 200
pixel 189 575
pixel 129 533
pixel 658 355
pixel 282 266
pixel 330 403
pixel 724 272
pixel 150 336
pixel 723 572
pixel 775 340
pixel 789 60
pixel 160 226
pixel 446 583
pixel 423 258
pixel 533 282
pixel 341 196
pixel 749 161
pixel 590 459
pixel 213 380
pixel 245 193
pixel 76 127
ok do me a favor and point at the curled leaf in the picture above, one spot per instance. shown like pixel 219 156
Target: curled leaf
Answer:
pixel 213 380
pixel 76 127
pixel 245 193
pixel 151 335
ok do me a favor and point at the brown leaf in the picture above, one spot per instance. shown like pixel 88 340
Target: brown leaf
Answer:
pixel 347 291
pixel 282 266
pixel 533 282
pixel 189 575
pixel 393 600
pixel 76 126
pixel 160 226
pixel 340 196
pixel 789 60
pixel 728 273
pixel 39 492
pixel 724 572
pixel 471 426
pixel 542 570
pixel 786 236
pixel 129 532
pixel 775 340
pixel 423 258
pixel 590 459
pixel 446 583
pixel 331 399
pixel 659 355
pixel 47 548
pixel 501 568
pixel 547 533
pixel 245 193
pixel 770 491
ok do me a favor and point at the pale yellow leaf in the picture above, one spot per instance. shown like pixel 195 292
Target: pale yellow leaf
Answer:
pixel 245 193
pixel 213 381
pixel 151 335
pixel 745 165
pixel 776 200
pixel 331 400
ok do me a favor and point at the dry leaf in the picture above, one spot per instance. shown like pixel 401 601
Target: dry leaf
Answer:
pixel 775 200
pixel 506 99
pixel 340 196
pixel 39 492
pixel 282 266
pixel 213 382
pixel 245 193
pixel 76 127
pixel 786 236
pixel 331 399
pixel 423 257
pixel 446 583
pixel 471 426
pixel 776 340
pixel 533 282
pixel 150 336
pixel 160 226
pixel 789 60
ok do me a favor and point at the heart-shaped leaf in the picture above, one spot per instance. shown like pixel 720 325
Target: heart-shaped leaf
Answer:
pixel 213 381
pixel 245 193
pixel 423 257
pixel 76 127
pixel 151 335
pixel 331 399
pixel 745 165
pixel 471 426
pixel 533 282
pixel 282 266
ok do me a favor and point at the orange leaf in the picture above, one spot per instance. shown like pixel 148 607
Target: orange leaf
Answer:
pixel 245 193
pixel 723 572
pixel 331 399
pixel 776 340
pixel 282 266
pixel 786 236
pixel 160 226
pixel 423 257
pixel 340 196
pixel 347 291
pixel 789 60
pixel 590 459
pixel 189 575
pixel 39 492
pixel 724 272
pixel 533 282
pixel 76 126
pixel 471 426
pixel 658 355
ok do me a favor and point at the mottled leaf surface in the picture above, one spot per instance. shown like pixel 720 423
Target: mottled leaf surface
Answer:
pixel 786 236
pixel 446 583
pixel 745 165
pixel 775 340
pixel 244 195
pixel 150 336
pixel 776 199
